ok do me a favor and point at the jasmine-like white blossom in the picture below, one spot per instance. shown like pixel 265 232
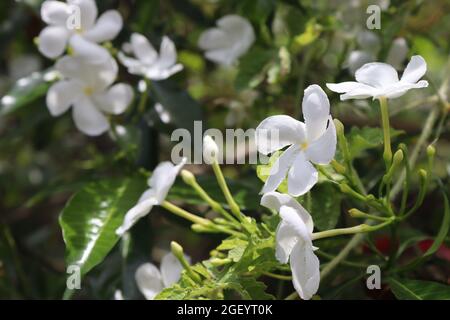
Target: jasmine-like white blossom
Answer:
pixel 160 183
pixel 294 242
pixel 381 80
pixel 147 62
pixel 151 280
pixel 311 142
pixel 90 91
pixel 75 23
pixel 231 39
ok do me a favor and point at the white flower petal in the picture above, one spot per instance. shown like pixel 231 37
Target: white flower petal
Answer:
pixel 415 70
pixel 53 41
pixel 280 169
pixel 401 88
pixel 241 30
pixel 362 92
pixel 89 51
pixel 220 56
pixel 277 132
pixel 377 74
pixel 62 95
pixel 213 38
pixel 225 44
pixel 97 77
pixel 316 110
pixel 141 209
pixel 88 119
pixel 163 178
pixel 291 217
pixel 143 49
pixel 134 65
pixel 345 86
pixel 275 200
pixel 55 12
pixel 302 176
pixel 322 150
pixel 167 54
pixel 156 73
pixel 149 280
pixel 305 268
pixel 88 12
pixel 118 295
pixel 170 269
pixel 106 28
pixel 116 99
pixel 286 238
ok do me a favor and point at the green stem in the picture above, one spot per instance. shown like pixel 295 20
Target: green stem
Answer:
pixel 144 97
pixel 362 228
pixel 387 154
pixel 185 214
pixel 234 207
pixel 189 179
pixel 277 276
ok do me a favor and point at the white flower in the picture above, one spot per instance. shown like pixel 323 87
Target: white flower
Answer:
pixel 147 62
pixel 232 38
pixel 87 88
pixel 381 80
pixel 118 295
pixel 160 182
pixel 294 242
pixel 151 281
pixel 210 150
pixel 313 141
pixel 83 38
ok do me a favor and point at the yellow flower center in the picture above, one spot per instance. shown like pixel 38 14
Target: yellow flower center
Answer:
pixel 88 91
pixel 304 145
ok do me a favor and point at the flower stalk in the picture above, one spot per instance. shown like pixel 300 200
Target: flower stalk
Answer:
pixel 184 214
pixel 362 228
pixel 387 154
pixel 190 180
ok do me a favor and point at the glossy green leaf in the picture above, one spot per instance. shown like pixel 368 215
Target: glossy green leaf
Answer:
pixel 325 206
pixel 404 289
pixel 91 217
pixel 252 67
pixel 362 139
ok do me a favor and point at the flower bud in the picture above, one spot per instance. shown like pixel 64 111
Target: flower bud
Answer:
pixel 210 150
pixel 187 176
pixel 431 151
pixel 177 250
pixel 355 213
pixel 398 157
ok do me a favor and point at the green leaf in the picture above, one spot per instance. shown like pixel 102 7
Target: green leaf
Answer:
pixel 91 217
pixel 25 91
pixel 325 206
pixel 252 67
pixel 405 289
pixel 362 139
